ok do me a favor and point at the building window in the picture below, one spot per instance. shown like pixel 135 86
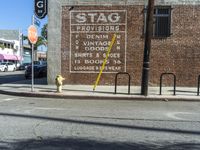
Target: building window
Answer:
pixel 162 22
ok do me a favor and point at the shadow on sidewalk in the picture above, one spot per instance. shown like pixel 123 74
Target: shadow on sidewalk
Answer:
pixel 56 143
pixel 37 81
pixel 102 124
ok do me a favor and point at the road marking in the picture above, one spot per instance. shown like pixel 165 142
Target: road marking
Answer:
pixel 46 108
pixel 173 115
pixel 28 111
pixel 8 99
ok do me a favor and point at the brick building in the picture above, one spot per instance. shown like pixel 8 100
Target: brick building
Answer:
pixel 80 32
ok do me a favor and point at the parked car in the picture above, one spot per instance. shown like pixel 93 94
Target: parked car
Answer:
pixel 24 66
pixel 40 62
pixel 7 66
pixel 3 66
pixel 39 71
pixel 17 64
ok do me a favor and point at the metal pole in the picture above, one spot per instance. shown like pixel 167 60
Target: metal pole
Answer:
pixel 32 63
pixel 21 46
pixel 147 48
pixel 145 16
pixel 32 76
pixel 198 85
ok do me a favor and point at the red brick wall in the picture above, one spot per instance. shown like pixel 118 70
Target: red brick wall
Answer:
pixel 179 53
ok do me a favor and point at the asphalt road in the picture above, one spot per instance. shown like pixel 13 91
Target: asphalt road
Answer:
pixel 8 77
pixel 17 77
pixel 59 124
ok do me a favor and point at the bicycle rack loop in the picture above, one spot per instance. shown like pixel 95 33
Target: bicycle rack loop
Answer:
pixel 174 81
pixel 129 81
pixel 198 86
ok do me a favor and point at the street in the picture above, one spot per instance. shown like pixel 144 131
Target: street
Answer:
pixel 45 123
pixel 17 77
pixel 7 77
pixel 55 124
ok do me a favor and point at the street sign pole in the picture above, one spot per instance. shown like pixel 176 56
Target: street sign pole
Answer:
pixel 32 63
pixel 33 37
pixel 32 76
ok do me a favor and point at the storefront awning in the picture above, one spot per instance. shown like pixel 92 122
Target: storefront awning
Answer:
pixel 9 57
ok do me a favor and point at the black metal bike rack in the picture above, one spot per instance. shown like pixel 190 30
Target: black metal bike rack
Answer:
pixel 129 81
pixel 174 81
pixel 198 86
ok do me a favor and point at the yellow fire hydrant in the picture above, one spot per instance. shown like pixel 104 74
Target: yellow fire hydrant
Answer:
pixel 59 82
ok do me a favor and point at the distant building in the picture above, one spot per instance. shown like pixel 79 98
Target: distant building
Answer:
pixel 26 53
pixel 41 55
pixel 38 55
pixel 11 49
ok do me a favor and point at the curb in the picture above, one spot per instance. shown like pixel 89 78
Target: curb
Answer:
pixel 102 97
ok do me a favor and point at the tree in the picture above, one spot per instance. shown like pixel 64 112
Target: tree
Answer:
pixel 44 32
pixel 2 46
pixel 39 42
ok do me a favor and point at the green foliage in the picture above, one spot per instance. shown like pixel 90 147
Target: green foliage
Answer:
pixel 44 32
pixel 2 46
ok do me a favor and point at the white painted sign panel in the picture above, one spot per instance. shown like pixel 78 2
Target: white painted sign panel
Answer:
pixel 90 34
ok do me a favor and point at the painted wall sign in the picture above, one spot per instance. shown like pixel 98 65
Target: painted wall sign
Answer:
pixel 40 8
pixel 90 34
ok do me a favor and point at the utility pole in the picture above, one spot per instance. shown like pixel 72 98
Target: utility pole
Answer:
pixel 147 48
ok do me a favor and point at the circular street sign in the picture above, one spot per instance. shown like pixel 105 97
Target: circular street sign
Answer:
pixel 32 34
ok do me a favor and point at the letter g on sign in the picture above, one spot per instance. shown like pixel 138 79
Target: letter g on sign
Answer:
pixel 40 4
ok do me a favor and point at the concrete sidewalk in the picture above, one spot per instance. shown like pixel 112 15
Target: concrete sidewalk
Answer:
pixel 23 88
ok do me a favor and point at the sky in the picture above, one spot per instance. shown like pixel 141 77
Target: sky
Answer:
pixel 17 15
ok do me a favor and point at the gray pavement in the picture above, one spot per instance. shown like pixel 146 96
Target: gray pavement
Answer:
pixel 29 123
pixel 41 89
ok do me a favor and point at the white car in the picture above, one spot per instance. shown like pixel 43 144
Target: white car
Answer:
pixel 7 66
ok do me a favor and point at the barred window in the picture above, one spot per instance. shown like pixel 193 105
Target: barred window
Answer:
pixel 162 22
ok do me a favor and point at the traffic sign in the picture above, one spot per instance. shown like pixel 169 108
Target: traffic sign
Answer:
pixel 40 8
pixel 32 34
